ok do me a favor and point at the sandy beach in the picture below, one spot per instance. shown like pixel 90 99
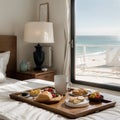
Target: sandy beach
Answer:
pixel 95 65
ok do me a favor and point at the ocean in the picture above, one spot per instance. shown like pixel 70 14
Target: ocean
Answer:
pixel 95 40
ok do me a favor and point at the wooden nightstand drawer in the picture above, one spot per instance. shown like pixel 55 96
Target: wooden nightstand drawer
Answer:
pixel 49 76
pixel 22 76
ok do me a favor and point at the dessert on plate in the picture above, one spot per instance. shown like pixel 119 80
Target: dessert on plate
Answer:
pixel 79 101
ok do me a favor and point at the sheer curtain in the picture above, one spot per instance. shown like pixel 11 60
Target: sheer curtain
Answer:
pixel 66 66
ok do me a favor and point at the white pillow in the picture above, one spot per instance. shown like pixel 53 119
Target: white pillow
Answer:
pixel 2 77
pixel 4 59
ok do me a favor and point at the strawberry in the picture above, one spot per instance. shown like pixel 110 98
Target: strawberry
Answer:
pixel 97 96
pixel 54 95
pixel 50 89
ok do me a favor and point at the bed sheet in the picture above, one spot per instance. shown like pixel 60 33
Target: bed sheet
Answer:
pixel 15 110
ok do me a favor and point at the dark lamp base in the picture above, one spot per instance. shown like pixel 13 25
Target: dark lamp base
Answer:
pixel 39 57
pixel 38 68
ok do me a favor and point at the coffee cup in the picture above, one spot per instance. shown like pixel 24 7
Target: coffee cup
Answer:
pixel 61 83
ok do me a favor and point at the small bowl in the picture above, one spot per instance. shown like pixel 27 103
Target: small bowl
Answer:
pixel 95 100
pixel 25 94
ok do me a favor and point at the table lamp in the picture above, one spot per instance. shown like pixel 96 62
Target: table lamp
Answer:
pixel 38 32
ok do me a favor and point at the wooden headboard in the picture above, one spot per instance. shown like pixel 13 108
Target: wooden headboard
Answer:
pixel 8 43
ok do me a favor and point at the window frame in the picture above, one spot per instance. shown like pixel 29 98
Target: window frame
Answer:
pixel 115 88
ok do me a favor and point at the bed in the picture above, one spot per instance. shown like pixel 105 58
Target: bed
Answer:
pixel 9 43
pixel 16 110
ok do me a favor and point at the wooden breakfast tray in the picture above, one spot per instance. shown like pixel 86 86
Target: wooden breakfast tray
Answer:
pixel 62 109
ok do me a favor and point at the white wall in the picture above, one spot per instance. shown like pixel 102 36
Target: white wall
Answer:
pixel 13 15
pixel 57 16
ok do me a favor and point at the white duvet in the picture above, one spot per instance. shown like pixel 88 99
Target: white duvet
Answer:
pixel 15 110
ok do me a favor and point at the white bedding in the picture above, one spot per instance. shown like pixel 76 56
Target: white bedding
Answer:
pixel 15 110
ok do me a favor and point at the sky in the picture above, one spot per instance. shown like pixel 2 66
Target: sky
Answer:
pixel 97 17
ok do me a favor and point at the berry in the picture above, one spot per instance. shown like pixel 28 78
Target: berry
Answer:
pixel 54 95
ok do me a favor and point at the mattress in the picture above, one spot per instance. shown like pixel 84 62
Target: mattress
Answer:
pixel 15 110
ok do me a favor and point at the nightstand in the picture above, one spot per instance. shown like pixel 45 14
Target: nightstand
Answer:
pixel 47 75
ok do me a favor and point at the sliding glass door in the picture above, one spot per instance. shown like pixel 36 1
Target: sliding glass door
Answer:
pixel 95 32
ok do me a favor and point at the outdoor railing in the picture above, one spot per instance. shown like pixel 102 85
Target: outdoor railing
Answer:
pixel 112 52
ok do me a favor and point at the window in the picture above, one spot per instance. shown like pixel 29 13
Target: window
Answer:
pixel 95 31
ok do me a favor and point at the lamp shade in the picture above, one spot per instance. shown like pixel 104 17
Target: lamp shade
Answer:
pixel 39 32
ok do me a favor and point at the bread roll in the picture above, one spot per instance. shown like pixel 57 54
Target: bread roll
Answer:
pixel 44 97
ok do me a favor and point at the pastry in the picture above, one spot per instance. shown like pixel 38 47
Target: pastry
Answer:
pixel 76 100
pixel 44 97
pixel 35 92
pixel 79 92
pixel 48 97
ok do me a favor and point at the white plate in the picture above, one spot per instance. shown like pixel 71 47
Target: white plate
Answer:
pixel 81 104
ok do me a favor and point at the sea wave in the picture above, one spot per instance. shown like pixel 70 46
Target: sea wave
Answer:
pixel 82 41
